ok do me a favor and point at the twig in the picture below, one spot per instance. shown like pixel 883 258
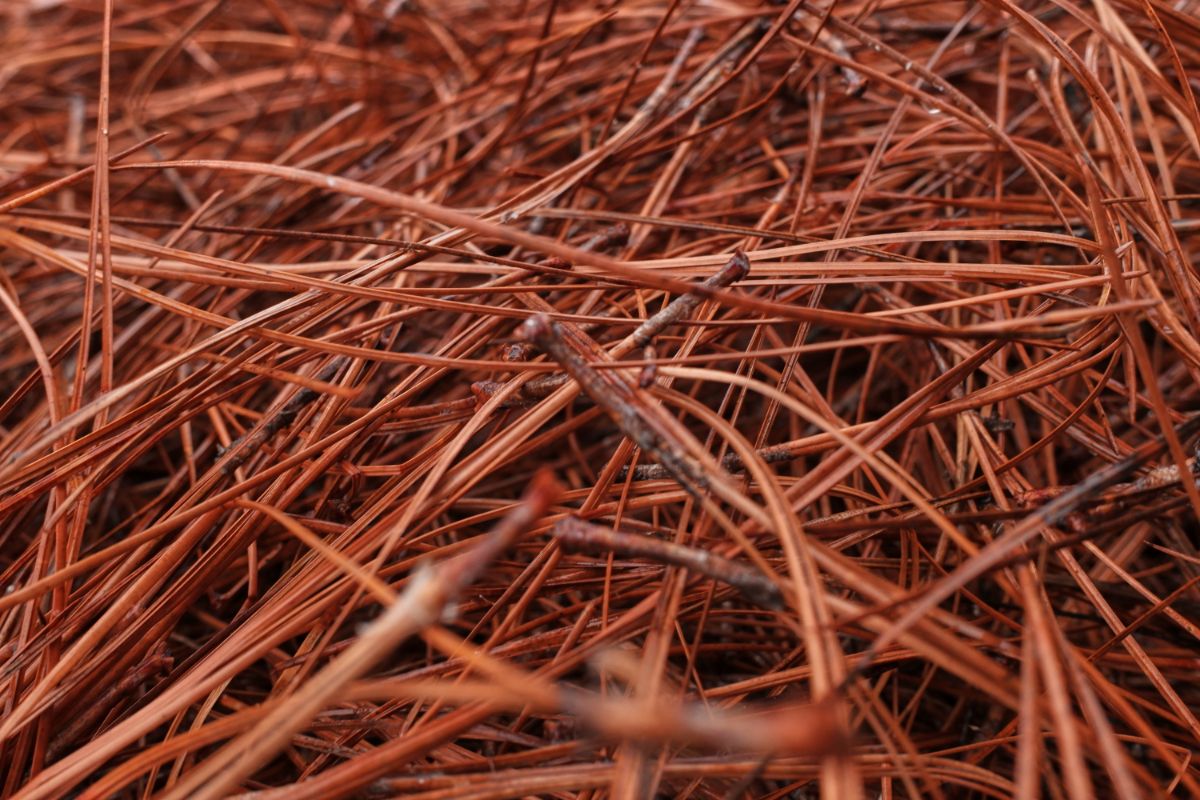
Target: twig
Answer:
pixel 809 729
pixel 617 397
pixel 734 271
pixel 543 386
pixel 575 535
pixel 425 601
pixel 243 447
pixel 93 713
pixel 998 549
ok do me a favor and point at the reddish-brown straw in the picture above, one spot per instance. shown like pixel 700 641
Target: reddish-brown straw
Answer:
pixel 730 399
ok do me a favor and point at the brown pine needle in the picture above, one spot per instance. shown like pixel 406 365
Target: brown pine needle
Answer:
pixel 860 338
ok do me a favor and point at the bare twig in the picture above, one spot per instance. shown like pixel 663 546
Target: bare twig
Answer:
pixel 422 603
pixel 575 535
pixel 615 395
pixel 734 271
pixel 543 386
pixel 244 447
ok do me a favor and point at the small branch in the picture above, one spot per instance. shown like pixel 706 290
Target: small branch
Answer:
pixel 783 729
pixel 735 270
pixel 575 535
pixel 543 386
pixel 530 393
pixel 242 448
pixel 83 720
pixel 998 550
pixel 856 84
pixel 731 462
pixel 609 390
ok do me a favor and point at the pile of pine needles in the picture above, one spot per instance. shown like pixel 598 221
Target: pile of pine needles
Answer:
pixel 580 399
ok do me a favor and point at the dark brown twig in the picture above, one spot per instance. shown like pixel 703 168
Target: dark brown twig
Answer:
pixel 734 271
pixel 543 386
pixel 612 392
pixel 577 536
pixel 244 447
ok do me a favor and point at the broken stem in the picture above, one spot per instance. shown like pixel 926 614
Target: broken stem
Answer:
pixel 576 535
pixel 543 386
pixel 242 448
pixel 737 268
pixel 645 425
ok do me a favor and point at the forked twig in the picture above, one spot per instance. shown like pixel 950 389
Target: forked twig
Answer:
pixel 615 395
pixel 674 312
